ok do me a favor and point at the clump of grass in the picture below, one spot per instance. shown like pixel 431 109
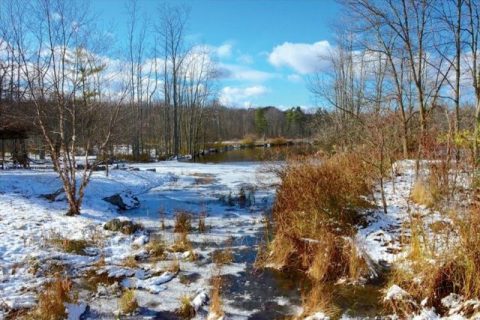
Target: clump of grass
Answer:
pixel 174 266
pixel 186 310
pixel 69 245
pixel 216 298
pixel 318 299
pixel 249 140
pixel 124 226
pixel 181 243
pixel 222 257
pixel 161 213
pixel 315 214
pixel 203 178
pixel 93 280
pixel 128 303
pixel 422 194
pixel 202 226
pixel 435 272
pixel 156 247
pixel 51 300
pixel 278 141
pixel 336 257
pixel 130 262
pixel 183 222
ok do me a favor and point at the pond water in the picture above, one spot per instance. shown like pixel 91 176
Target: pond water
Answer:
pixel 277 153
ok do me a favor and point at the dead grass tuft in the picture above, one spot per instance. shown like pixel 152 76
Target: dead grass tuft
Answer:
pixel 68 245
pixel 215 296
pixel 315 215
pixel 51 300
pixel 128 303
pixel 222 257
pixel 156 248
pixel 186 310
pixel 183 222
pixel 435 272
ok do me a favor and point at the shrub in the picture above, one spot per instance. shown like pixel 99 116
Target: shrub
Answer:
pixel 128 303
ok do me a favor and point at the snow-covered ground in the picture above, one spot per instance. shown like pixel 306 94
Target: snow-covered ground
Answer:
pixel 28 223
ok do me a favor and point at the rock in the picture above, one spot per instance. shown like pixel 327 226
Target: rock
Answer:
pixel 124 200
pixel 122 225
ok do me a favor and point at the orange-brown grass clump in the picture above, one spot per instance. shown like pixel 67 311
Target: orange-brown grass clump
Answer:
pixel 318 299
pixel 128 302
pixel 216 311
pixel 430 190
pixel 51 300
pixel 315 215
pixel 434 273
pixel 183 222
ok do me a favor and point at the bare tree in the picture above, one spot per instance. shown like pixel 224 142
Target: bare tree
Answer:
pixel 62 79
pixel 171 32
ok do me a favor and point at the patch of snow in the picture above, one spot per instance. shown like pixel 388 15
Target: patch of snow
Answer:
pixel 75 311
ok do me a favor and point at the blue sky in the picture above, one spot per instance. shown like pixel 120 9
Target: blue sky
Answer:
pixel 269 47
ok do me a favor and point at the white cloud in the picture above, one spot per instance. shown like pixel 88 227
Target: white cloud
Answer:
pixel 242 73
pixel 245 59
pixel 241 97
pixel 224 51
pixel 294 77
pixel 302 57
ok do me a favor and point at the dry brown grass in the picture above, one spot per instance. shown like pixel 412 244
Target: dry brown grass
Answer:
pixel 183 222
pixel 68 245
pixel 181 243
pixel 174 266
pixel 128 303
pixel 215 296
pixel 186 310
pixel 422 194
pixel 434 272
pixel 51 300
pixel 203 178
pixel 222 257
pixel 202 225
pixel 130 262
pixel 156 248
pixel 318 299
pixel 315 212
pixel 249 140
